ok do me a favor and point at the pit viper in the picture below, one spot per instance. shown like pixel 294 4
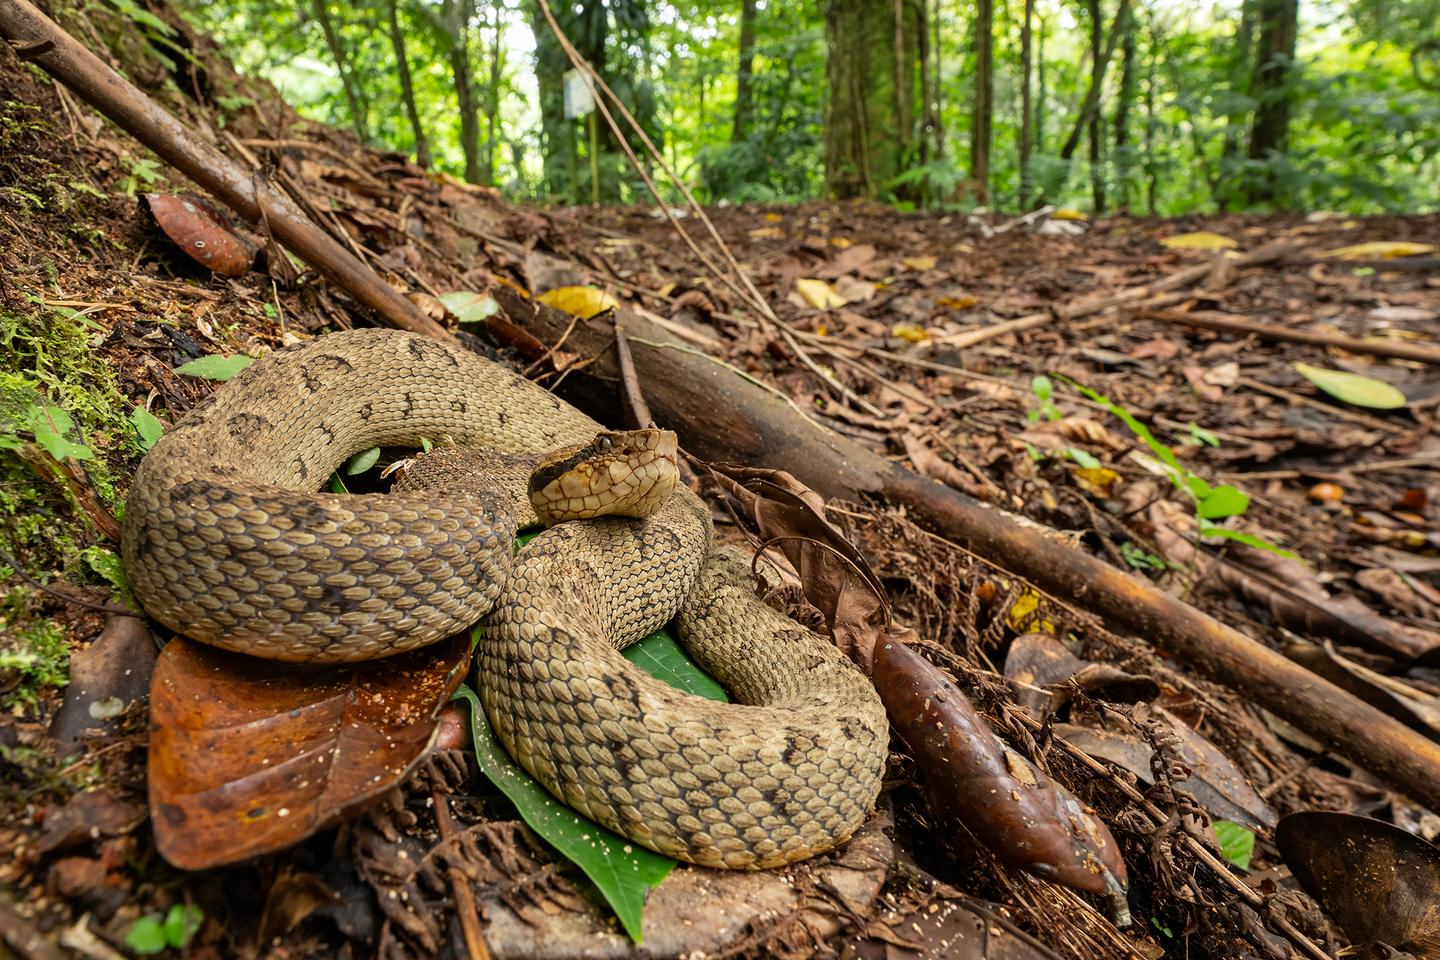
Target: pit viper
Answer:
pixel 229 539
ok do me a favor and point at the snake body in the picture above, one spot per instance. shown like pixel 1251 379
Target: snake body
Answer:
pixel 228 540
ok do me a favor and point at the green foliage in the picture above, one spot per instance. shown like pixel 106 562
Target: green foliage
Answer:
pixel 150 934
pixel 32 650
pixel 215 366
pixel 1237 843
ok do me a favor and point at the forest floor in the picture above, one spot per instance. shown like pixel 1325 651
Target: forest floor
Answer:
pixel 912 320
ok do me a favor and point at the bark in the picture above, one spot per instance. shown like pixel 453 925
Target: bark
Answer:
pixel 984 100
pixel 354 95
pixel 456 15
pixel 1097 55
pixel 1274 65
pixel 1041 93
pixel 407 87
pixel 870 117
pixel 744 75
pixel 722 417
pixel 1097 84
pixel 1027 119
pixel 1123 150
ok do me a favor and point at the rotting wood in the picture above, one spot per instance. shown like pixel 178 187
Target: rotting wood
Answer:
pixel 41 41
pixel 1210 320
pixel 724 417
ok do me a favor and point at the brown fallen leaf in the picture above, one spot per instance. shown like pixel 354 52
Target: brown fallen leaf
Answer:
pixel 106 677
pixel 1399 699
pixel 1216 783
pixel 249 756
pixel 1039 666
pixel 1379 883
pixel 85 817
pixel 202 232
pixel 970 775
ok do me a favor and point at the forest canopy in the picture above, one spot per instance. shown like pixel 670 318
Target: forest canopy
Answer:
pixel 1146 106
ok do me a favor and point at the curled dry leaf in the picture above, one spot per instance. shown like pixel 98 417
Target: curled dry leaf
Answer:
pixel 203 233
pixel 1038 666
pixel 1216 783
pixel 249 756
pixel 114 669
pixel 1026 819
pixel 1376 881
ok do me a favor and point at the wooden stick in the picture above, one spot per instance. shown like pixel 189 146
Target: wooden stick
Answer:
pixel 723 417
pixel 38 39
pixel 1269 331
pixel 465 909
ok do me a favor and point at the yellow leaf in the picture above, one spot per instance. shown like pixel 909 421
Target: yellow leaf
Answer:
pixel 1353 388
pixel 1380 250
pixel 841 243
pixel 1020 610
pixel 962 302
pixel 910 332
pixel 919 263
pixel 1068 213
pixel 583 302
pixel 819 294
pixel 666 290
pixel 773 218
pixel 767 233
pixel 822 329
pixel 1099 481
pixel 1201 240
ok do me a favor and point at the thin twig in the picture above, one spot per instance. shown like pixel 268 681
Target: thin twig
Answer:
pixel 475 946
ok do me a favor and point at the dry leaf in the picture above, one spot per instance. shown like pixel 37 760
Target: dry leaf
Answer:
pixel 583 302
pixel 767 233
pixel 910 333
pixel 1380 250
pixel 919 263
pixel 200 230
pixel 249 756
pixel 1200 240
pixel 1068 213
pixel 819 294
pixel 960 302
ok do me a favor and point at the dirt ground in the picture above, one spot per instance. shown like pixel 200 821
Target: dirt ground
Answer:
pixel 946 342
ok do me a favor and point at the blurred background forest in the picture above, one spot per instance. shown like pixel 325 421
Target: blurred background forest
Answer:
pixel 1145 106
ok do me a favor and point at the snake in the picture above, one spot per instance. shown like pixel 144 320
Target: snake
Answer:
pixel 231 537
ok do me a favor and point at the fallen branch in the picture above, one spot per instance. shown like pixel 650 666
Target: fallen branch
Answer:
pixel 1210 320
pixel 724 417
pixel 39 40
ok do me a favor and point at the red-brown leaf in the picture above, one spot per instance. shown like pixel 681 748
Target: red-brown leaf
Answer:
pixel 1025 818
pixel 202 232
pixel 249 756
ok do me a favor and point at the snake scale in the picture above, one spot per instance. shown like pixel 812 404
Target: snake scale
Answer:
pixel 227 539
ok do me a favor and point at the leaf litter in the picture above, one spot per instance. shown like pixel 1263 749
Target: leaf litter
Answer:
pixel 946 322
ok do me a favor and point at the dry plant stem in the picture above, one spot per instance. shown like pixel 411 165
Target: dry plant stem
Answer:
pixel 636 407
pixel 38 39
pixel 465 908
pixel 1193 846
pixel 1269 331
pixel 724 418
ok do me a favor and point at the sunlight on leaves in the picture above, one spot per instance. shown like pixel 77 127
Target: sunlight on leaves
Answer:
pixel 583 302
pixel 1380 250
pixel 1200 240
pixel 819 294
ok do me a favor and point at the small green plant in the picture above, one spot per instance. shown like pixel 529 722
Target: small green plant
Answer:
pixel 1200 437
pixel 49 425
pixel 148 429
pixel 1211 502
pixel 1044 389
pixel 1141 559
pixel 33 651
pixel 143 172
pixel 150 934
pixel 1237 843
pixel 215 366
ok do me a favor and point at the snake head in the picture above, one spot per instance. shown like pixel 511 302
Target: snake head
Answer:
pixel 624 473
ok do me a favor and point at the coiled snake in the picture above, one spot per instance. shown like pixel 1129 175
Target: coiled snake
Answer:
pixel 228 541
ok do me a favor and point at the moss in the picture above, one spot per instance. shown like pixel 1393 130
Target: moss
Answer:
pixel 34 656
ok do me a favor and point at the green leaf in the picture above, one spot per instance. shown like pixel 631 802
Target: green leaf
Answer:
pixel 1249 539
pixel 362 461
pixel 1083 459
pixel 215 367
pixel 1353 388
pixel 50 424
pixel 470 307
pixel 624 872
pixel 146 936
pixel 107 564
pixel 182 923
pixel 1043 388
pixel 1199 435
pixel 1237 844
pixel 1223 501
pixel 1197 486
pixel 660 656
pixel 147 427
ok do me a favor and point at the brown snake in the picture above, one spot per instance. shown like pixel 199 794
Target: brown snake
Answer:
pixel 227 540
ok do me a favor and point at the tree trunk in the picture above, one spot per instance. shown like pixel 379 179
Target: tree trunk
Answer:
pixel 1274 65
pixel 984 100
pixel 870 118
pixel 1041 93
pixel 745 73
pixel 492 94
pixel 407 87
pixel 1124 153
pixel 1097 155
pixel 1151 175
pixel 456 20
pixel 354 94
pixel 1027 119
pixel 933 108
pixel 1241 70
pixel 1097 84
